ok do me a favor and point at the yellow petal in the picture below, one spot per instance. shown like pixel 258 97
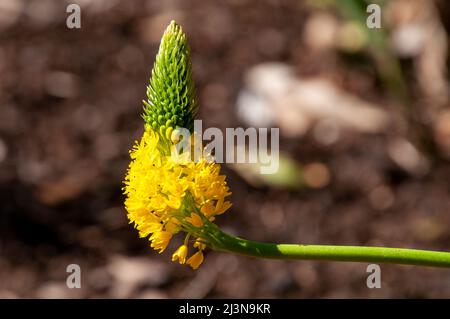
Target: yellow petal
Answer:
pixel 180 254
pixel 195 220
pixel 195 260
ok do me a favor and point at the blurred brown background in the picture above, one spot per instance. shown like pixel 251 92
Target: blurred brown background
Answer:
pixel 364 117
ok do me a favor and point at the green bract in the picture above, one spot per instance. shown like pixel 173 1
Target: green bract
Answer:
pixel 171 98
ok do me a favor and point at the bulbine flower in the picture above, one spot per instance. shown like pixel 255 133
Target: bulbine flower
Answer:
pixel 168 193
pixel 165 195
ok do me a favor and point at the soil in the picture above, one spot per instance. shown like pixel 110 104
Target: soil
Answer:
pixel 70 111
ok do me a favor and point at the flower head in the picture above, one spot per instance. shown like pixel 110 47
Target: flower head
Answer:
pixel 165 195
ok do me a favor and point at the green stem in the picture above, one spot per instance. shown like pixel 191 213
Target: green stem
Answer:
pixel 226 242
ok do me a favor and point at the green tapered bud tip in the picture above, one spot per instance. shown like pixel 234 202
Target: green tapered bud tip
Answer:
pixel 172 28
pixel 171 100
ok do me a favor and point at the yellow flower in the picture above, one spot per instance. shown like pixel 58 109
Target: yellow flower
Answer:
pixel 210 210
pixel 173 226
pixel 160 240
pixel 147 228
pixel 162 193
pixel 180 254
pixel 195 220
pixel 195 260
pixel 199 243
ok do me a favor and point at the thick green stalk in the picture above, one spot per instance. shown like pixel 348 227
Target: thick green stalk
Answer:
pixel 226 242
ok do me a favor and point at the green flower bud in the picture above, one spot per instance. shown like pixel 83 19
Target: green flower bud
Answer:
pixel 171 96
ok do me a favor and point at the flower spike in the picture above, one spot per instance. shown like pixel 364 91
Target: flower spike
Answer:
pixel 166 196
